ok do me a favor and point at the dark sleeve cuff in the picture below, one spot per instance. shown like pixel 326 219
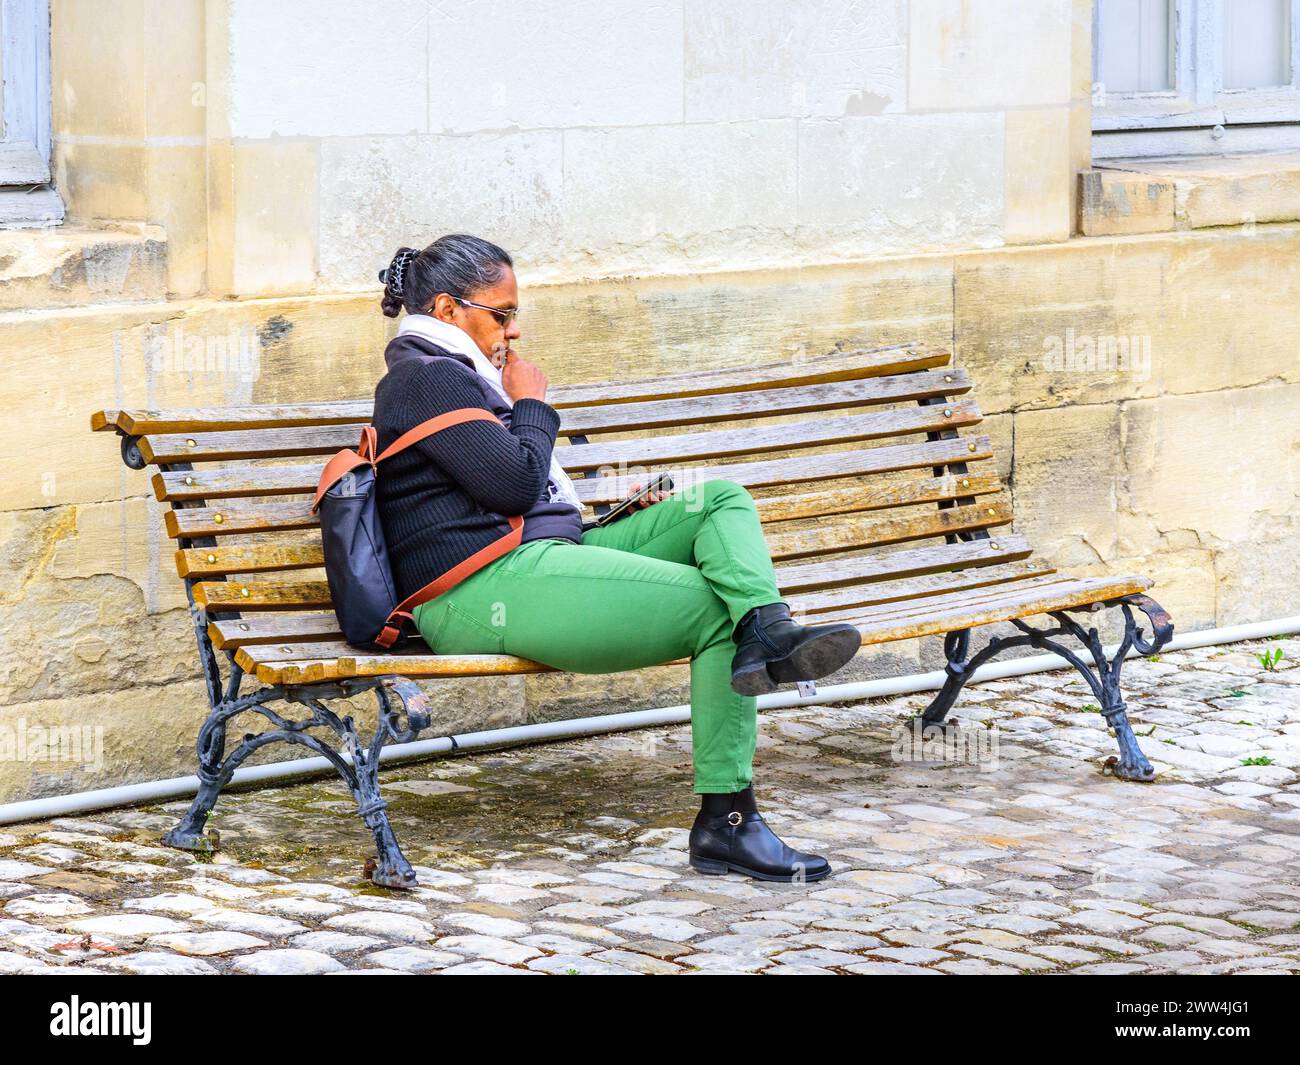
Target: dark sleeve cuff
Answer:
pixel 537 413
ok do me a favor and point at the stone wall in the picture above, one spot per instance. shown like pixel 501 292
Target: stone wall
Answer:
pixel 1186 468
pixel 686 184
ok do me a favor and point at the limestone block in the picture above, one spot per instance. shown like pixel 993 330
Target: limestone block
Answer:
pixel 1115 202
pixel 869 185
pixel 1218 464
pixel 175 67
pixel 706 194
pixel 345 69
pixel 1259 578
pixel 379 194
pixel 119 737
pixel 102 181
pixel 555 63
pixel 1037 176
pixel 770 59
pixel 97 72
pixel 1101 321
pixel 1272 194
pixel 276 188
pixel 76 265
pixel 985 53
pixel 655 326
pixel 1066 469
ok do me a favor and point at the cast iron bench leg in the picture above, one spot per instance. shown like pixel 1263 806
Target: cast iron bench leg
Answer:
pixel 1103 675
pixel 360 770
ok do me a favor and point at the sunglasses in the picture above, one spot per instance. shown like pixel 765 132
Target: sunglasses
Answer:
pixel 504 316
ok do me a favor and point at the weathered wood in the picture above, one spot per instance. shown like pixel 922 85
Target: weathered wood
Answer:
pixel 805 434
pixel 231 633
pixel 799 469
pixel 1082 592
pixel 297 441
pixel 292 442
pixel 250 656
pixel 224 596
pixel 226 519
pixel 264 558
pixel 243 481
pixel 865 532
pixel 872 496
pixel 731 406
pixel 837 366
pixel 249 558
pixel 235 517
pixel 910 562
pixel 815 606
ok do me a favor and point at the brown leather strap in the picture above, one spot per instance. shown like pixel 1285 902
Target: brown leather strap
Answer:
pixel 335 470
pixel 480 558
pixel 346 461
pixel 434 425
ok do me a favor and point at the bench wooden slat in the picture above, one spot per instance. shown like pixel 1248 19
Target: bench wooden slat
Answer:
pixel 251 481
pixel 869 496
pixel 249 558
pixel 265 558
pixel 219 597
pixel 222 596
pixel 815 606
pixel 233 517
pixel 1028 600
pixel 232 633
pixel 237 517
pixel 716 444
pixel 800 469
pixel 909 562
pixel 282 442
pixel 295 441
pixel 863 532
pixel 837 366
pixel 250 656
pixel 901 610
pixel 1081 592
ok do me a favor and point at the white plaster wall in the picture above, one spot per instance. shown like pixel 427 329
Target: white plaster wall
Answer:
pixel 610 137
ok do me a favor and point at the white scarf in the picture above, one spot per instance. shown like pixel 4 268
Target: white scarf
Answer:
pixel 453 338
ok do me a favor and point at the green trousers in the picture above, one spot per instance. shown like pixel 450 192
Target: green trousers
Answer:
pixel 666 582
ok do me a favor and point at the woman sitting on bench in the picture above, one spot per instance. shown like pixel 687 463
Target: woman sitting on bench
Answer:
pixel 681 576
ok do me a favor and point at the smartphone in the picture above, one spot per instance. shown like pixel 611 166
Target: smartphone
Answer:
pixel 662 483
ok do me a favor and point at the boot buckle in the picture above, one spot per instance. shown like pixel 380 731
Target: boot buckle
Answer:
pixel 734 818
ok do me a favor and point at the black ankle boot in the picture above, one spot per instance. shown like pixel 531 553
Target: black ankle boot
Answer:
pixel 773 649
pixel 730 834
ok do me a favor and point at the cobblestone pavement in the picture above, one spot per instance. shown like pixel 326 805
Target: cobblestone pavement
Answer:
pixel 571 857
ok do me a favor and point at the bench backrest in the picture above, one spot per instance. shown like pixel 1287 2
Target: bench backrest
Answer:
pixel 861 463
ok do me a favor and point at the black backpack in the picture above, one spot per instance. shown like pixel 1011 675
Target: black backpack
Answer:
pixel 356 558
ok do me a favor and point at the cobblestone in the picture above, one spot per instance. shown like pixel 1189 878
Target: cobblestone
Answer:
pixel 1034 862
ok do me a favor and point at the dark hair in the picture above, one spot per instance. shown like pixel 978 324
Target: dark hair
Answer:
pixel 457 264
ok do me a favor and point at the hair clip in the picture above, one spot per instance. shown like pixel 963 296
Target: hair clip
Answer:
pixel 397 271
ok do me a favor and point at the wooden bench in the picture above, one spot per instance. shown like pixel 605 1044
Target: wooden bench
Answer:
pixel 877 493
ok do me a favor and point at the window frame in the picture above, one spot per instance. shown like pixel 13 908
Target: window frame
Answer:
pixel 26 139
pixel 1197 114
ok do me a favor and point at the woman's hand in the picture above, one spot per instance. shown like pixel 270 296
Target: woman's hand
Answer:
pixel 653 497
pixel 522 379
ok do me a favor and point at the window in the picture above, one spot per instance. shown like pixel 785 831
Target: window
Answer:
pixel 25 194
pixel 1195 76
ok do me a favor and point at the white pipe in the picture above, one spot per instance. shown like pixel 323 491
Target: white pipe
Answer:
pixel 184 787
